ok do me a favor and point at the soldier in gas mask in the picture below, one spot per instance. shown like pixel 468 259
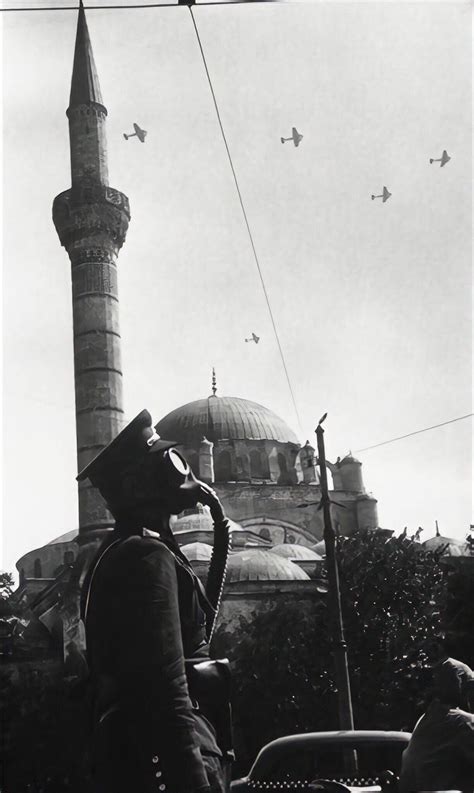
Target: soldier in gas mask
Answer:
pixel 161 713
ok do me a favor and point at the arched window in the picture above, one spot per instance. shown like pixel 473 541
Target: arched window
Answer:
pixel 256 470
pixel 223 467
pixel 284 478
pixel 68 557
pixel 242 467
pixel 37 572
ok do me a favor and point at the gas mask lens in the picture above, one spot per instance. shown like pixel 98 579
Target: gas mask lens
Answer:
pixel 178 464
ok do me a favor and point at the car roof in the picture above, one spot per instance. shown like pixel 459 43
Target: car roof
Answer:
pixel 309 740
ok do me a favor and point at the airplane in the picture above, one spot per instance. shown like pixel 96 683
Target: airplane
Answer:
pixel 139 133
pixel 443 159
pixel 295 137
pixel 254 338
pixel 384 196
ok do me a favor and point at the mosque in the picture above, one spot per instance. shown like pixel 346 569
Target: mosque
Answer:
pixel 266 479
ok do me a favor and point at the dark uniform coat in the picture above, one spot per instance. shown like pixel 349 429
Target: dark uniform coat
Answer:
pixel 146 613
pixel 440 755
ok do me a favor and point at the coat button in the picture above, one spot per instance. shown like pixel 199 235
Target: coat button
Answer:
pixel 162 787
pixel 158 774
pixel 155 759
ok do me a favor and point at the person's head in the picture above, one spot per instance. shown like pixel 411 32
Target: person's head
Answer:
pixel 141 476
pixel 453 683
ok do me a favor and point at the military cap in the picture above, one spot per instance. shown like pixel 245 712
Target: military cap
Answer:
pixel 137 440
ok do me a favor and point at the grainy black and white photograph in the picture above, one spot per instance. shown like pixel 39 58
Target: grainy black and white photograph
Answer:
pixel 238 540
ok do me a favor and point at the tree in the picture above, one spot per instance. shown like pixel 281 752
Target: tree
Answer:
pixel 392 594
pixel 458 614
pixel 45 735
pixel 7 584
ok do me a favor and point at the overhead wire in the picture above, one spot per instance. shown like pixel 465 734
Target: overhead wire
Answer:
pixel 137 5
pixel 249 231
pixel 417 432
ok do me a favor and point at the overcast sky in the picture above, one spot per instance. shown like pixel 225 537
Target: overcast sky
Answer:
pixel 371 300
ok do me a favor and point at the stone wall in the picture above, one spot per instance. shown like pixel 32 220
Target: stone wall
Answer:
pixel 244 599
pixel 244 502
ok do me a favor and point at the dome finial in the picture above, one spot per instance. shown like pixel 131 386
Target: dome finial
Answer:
pixel 214 382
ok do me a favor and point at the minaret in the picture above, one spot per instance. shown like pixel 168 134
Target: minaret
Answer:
pixel 92 220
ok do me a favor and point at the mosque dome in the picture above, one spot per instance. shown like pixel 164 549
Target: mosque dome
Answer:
pixel 259 565
pixel 452 546
pixel 198 520
pixel 224 418
pixel 298 552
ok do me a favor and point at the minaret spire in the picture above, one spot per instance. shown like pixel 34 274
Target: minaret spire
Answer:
pixel 85 86
pixel 92 220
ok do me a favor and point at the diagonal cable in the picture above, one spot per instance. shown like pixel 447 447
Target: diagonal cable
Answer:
pixel 417 432
pixel 246 220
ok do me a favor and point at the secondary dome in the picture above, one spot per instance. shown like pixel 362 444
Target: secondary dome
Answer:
pixel 253 565
pixel 298 552
pixel 224 418
pixel 199 520
pixel 452 547
pixel 197 551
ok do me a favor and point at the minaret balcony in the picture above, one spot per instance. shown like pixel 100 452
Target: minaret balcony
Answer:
pixel 89 209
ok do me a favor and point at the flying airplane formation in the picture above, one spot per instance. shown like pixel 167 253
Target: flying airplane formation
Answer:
pixel 295 137
pixel 385 195
pixel 443 159
pixel 254 338
pixel 139 133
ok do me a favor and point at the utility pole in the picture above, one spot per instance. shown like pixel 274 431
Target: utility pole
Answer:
pixel 346 719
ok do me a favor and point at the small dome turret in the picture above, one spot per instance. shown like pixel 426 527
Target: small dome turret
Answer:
pixel 307 462
pixel 367 513
pixel 350 470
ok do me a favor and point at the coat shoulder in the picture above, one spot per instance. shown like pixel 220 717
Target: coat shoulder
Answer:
pixel 142 551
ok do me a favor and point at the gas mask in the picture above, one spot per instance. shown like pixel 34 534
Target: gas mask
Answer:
pixel 174 480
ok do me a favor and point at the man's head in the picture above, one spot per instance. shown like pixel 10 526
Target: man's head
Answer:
pixel 138 471
pixel 453 683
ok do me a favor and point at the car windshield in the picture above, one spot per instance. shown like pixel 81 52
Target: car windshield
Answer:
pixel 327 761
